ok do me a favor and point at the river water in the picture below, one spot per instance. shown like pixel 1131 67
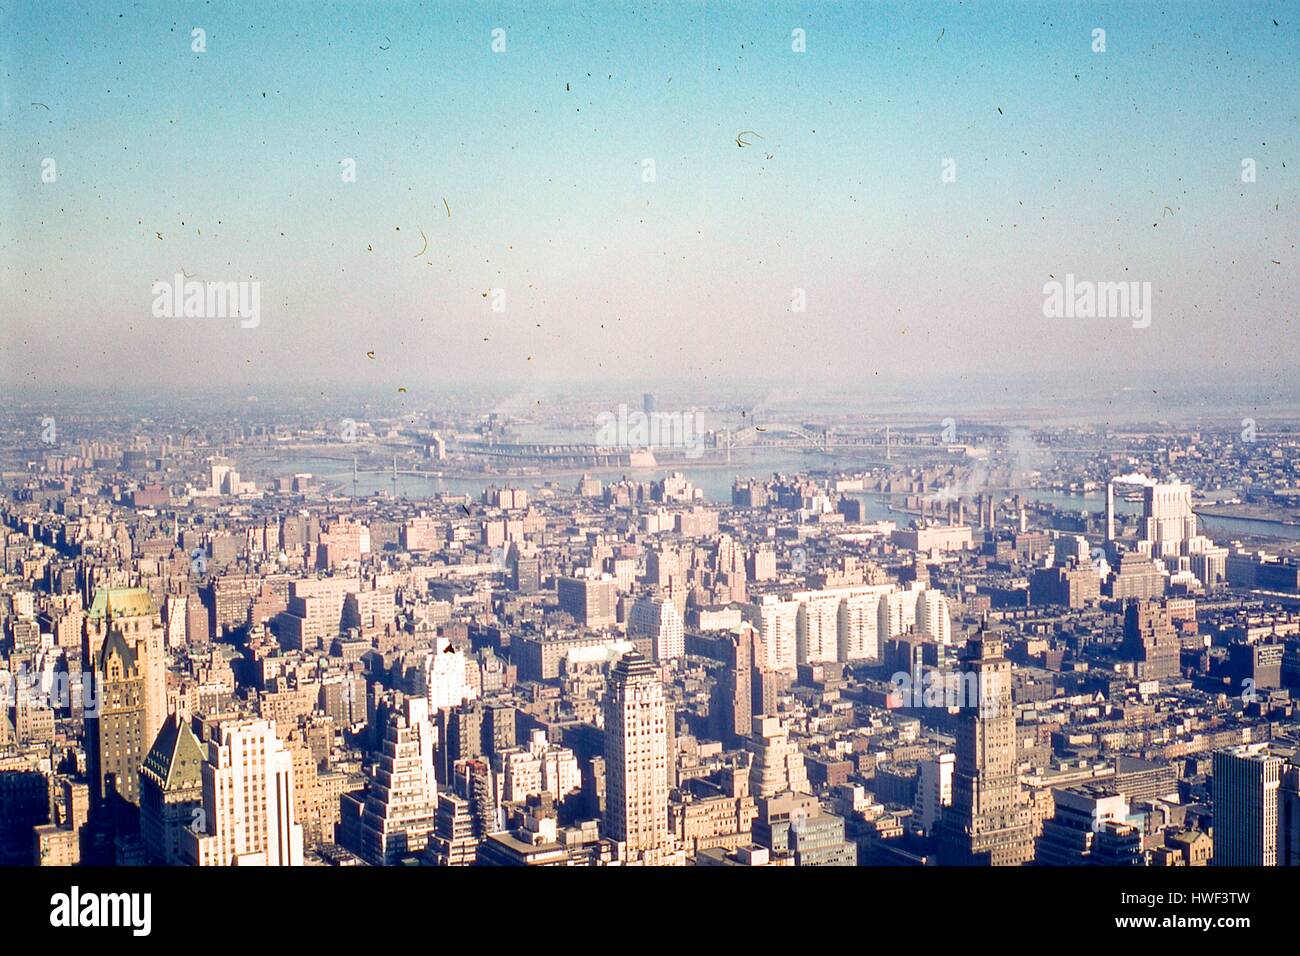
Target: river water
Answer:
pixel 715 480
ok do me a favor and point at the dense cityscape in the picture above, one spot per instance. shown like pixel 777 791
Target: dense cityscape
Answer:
pixel 856 440
pixel 954 645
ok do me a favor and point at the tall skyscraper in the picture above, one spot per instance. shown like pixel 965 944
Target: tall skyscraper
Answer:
pixel 636 755
pixel 248 800
pixel 986 825
pixel 131 612
pixel 1245 789
pixel 402 800
pixel 115 727
pixel 735 700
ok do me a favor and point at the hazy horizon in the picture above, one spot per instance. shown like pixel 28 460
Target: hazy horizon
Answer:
pixel 525 172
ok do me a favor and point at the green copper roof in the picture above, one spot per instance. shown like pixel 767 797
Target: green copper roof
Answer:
pixel 176 757
pixel 120 602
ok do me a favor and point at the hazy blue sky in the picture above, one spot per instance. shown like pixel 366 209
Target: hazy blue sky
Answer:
pixel 1122 165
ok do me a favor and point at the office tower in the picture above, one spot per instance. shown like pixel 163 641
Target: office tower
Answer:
pixel 132 613
pixel 1245 790
pixel 734 691
pixel 115 728
pixel 934 790
pixel 933 617
pixel 248 800
pixel 171 790
pixel 636 755
pixel 590 601
pixel 778 764
pixel 1167 517
pixel 777 621
pixel 660 620
pixel 1151 640
pixel 444 676
pixel 403 793
pixel 986 824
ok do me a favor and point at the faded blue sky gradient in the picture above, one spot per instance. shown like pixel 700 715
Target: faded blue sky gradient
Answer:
pixel 1123 165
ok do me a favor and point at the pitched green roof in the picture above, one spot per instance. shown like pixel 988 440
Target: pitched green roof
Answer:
pixel 176 757
pixel 120 602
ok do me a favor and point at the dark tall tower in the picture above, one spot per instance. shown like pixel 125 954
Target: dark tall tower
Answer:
pixel 115 726
pixel 986 824
pixel 735 689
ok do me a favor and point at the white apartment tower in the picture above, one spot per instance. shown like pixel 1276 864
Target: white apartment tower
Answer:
pixel 777 621
pixel 660 620
pixel 444 677
pixel 248 799
pixel 933 615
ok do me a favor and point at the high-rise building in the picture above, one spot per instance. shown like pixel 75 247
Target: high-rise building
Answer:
pixel 444 676
pixel 171 790
pixel 986 825
pixel 658 619
pixel 858 627
pixel 1245 789
pixel 1069 836
pixel 777 621
pixel 817 627
pixel 400 804
pixel 115 727
pixel 132 613
pixel 734 692
pixel 1167 517
pixel 933 616
pixel 454 841
pixel 636 754
pixel 248 800
pixel 1151 640
pixel 590 601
